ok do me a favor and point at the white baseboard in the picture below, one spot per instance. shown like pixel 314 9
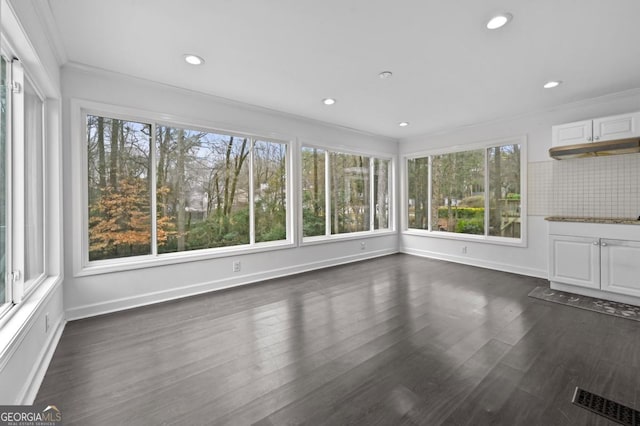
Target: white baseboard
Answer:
pixel 31 387
pixel 481 263
pixel 206 287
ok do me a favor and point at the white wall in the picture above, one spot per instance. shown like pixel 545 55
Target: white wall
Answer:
pixel 95 294
pixel 26 343
pixel 26 346
pixel 532 259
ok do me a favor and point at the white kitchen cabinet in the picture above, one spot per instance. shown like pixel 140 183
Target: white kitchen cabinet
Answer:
pixel 598 130
pixel 572 133
pixel 575 260
pixel 617 127
pixel 619 266
pixel 598 259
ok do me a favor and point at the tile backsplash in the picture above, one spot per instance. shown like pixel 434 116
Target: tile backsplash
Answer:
pixel 540 187
pixel 588 187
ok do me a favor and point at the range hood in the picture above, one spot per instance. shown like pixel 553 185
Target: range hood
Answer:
pixel 596 149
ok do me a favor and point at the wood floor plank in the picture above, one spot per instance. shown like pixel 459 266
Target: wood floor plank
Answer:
pixel 482 405
pixel 450 390
pixel 395 340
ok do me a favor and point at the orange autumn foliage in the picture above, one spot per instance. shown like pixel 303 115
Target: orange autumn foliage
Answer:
pixel 120 221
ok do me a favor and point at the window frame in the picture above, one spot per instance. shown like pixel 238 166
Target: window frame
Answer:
pixel 485 238
pixel 328 236
pixel 80 108
pixel 9 302
pixel 45 231
pixel 17 289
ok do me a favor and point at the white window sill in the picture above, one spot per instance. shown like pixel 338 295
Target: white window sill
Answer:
pixel 323 239
pixel 150 261
pixel 513 242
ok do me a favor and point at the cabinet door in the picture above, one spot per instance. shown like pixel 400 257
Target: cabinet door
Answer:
pixel 621 266
pixel 574 260
pixel 616 127
pixel 572 133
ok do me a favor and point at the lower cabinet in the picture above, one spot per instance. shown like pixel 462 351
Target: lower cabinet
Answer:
pixel 620 266
pixel 575 260
pixel 611 265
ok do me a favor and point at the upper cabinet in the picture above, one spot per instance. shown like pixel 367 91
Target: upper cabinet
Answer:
pixel 616 127
pixel 572 133
pixel 599 130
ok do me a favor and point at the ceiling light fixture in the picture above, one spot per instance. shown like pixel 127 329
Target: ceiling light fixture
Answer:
pixel 499 21
pixel 193 59
pixel 551 84
pixel 385 74
pixel 403 124
pixel 328 101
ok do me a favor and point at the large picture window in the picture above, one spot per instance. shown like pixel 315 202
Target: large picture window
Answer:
pixel 208 189
pixel 357 188
pixel 381 179
pixel 467 192
pixel 313 192
pixel 457 192
pixel 119 202
pixel 350 193
pixel 270 190
pixel 504 191
pixel 202 189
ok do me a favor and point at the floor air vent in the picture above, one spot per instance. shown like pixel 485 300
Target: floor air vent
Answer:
pixel 606 408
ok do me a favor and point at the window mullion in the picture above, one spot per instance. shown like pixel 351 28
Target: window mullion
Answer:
pixel 327 193
pixel 429 193
pixel 371 189
pixel 154 189
pixel 252 220
pixel 487 201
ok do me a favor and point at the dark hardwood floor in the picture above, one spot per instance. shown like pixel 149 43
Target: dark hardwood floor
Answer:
pixel 396 340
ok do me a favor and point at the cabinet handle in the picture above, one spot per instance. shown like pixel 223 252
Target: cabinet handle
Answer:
pixel 603 244
pixel 589 139
pixel 597 138
pixel 595 243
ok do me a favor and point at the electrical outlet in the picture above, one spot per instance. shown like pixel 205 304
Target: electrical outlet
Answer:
pixel 363 245
pixel 236 266
pixel 464 250
pixel 46 322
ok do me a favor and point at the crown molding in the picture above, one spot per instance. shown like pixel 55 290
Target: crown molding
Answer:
pixel 50 28
pixel 89 69
pixel 569 105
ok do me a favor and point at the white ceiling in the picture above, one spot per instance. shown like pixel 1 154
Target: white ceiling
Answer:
pixel 287 55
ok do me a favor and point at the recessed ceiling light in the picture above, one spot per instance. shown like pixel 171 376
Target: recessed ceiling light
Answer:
pixel 328 101
pixel 552 84
pixel 499 21
pixel 193 59
pixel 385 74
pixel 403 124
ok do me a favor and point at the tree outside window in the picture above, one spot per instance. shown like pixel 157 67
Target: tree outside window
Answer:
pixel 350 193
pixel 313 192
pixel 119 202
pixel 457 192
pixel 458 188
pixel 358 188
pixel 203 194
